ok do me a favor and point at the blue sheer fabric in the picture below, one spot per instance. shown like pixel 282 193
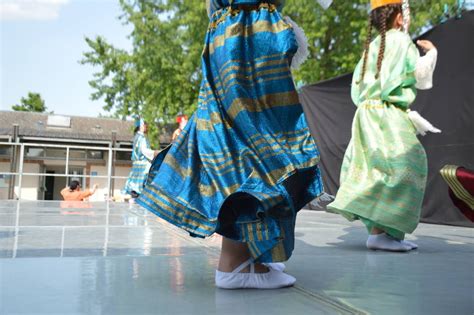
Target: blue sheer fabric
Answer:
pixel 246 162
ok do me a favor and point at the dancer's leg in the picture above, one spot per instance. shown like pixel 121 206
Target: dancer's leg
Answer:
pixel 376 231
pixel 233 254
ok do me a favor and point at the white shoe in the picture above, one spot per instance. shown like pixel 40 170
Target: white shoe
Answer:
pixel 273 279
pixel 386 242
pixel 275 266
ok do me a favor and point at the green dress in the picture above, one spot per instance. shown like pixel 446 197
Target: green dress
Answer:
pixel 383 175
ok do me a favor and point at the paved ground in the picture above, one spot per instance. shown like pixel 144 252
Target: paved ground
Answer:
pixel 113 259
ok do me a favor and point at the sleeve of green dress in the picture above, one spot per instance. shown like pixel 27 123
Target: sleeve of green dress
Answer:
pixel 355 88
pixel 398 71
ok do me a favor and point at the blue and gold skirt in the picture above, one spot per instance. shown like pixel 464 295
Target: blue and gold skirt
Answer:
pixel 246 162
pixel 136 178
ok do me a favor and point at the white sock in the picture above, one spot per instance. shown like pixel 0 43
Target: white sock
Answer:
pixel 410 244
pixel 386 242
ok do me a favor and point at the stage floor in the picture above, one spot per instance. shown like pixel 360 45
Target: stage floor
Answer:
pixel 105 258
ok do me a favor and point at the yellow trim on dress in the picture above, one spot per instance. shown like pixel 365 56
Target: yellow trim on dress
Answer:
pixel 448 172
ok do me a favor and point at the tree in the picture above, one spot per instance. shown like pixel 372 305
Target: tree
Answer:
pixel 32 103
pixel 336 36
pixel 160 76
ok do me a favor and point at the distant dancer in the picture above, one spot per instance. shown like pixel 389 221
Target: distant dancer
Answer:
pixel 142 155
pixel 182 120
pixel 74 192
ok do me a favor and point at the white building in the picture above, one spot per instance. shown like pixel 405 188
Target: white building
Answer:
pixel 49 140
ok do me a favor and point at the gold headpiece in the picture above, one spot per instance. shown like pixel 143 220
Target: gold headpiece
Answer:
pixel 380 3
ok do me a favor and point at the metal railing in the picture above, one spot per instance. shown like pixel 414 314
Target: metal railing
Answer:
pixel 21 160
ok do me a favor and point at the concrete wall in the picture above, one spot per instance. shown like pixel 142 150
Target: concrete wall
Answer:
pixel 120 183
pixel 30 184
pixel 102 192
pixel 4 167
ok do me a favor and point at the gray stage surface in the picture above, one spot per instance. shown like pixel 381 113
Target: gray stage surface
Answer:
pixel 115 259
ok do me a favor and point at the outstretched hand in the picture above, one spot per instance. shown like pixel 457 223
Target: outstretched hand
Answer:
pixel 426 45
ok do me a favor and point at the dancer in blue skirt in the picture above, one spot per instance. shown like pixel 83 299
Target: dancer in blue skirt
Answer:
pixel 142 155
pixel 246 162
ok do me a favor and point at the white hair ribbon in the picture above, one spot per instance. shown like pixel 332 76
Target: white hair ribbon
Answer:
pixel 406 15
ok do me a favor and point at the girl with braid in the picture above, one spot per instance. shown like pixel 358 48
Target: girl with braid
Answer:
pixel 384 170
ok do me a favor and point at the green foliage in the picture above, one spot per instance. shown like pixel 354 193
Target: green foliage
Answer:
pixel 336 36
pixel 160 76
pixel 32 103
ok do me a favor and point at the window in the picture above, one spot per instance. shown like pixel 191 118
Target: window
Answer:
pixel 5 150
pixel 56 153
pixel 77 154
pixel 35 152
pixel 95 155
pixel 123 156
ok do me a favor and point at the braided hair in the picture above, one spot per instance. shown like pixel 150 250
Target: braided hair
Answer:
pixel 381 18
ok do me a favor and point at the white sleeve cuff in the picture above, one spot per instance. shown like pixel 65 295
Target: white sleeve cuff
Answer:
pixel 147 152
pixel 425 67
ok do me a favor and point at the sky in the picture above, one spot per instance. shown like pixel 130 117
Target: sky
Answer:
pixel 41 43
